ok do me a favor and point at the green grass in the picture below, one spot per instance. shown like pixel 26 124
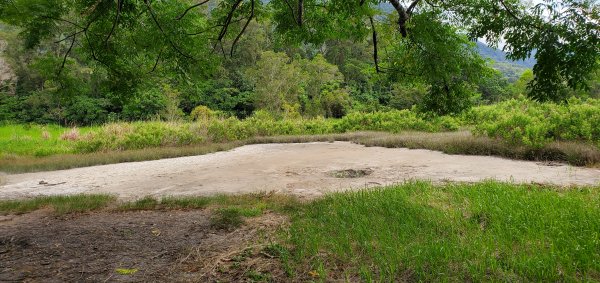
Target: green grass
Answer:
pixel 35 140
pixel 59 204
pixel 459 232
pixel 463 142
pixel 248 205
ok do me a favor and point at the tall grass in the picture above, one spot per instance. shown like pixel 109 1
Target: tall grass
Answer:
pixel 479 232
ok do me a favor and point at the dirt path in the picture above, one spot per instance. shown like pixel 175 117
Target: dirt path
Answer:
pixel 303 169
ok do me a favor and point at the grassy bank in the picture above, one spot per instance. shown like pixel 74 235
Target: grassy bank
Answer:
pixel 410 232
pixel 461 142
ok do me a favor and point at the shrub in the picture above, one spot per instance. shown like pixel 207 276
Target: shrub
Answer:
pixel 536 124
pixel 202 112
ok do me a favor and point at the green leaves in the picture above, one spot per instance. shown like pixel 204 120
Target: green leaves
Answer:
pixel 563 36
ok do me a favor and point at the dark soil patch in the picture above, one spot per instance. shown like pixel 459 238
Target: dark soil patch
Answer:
pixel 351 173
pixel 143 246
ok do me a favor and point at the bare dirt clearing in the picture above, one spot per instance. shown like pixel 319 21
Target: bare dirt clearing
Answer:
pixel 146 246
pixel 307 170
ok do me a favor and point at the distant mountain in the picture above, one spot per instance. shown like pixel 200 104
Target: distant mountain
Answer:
pixel 510 68
pixel 499 56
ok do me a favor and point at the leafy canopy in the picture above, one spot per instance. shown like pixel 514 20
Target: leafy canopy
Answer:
pixel 422 41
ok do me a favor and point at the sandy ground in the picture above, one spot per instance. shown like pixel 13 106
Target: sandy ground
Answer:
pixel 300 169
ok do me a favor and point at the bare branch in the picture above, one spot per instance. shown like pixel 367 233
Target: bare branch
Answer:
pixel 291 10
pixel 157 60
pixel 411 7
pixel 300 12
pixel 69 36
pixel 215 26
pixel 402 17
pixel 228 20
pixel 62 20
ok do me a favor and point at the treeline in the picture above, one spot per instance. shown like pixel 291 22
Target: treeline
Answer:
pixel 267 72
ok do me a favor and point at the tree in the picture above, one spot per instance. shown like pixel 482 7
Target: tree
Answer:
pixel 565 36
pixel 277 83
pixel 127 36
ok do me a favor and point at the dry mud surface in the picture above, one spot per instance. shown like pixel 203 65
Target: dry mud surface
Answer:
pixel 145 246
pixel 307 170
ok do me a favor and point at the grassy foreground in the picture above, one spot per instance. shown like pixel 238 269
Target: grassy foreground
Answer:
pixel 415 231
pixel 481 232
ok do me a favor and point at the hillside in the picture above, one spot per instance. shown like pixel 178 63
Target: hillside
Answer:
pixel 511 69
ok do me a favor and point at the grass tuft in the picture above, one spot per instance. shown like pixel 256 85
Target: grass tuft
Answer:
pixel 145 203
pixel 227 218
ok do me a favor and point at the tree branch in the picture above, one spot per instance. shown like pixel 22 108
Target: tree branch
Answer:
pixel 243 29
pixel 157 60
pixel 375 50
pixel 228 20
pixel 62 66
pixel 116 21
pixel 300 12
pixel 164 33
pixel 412 6
pixel 190 8
pixel 291 10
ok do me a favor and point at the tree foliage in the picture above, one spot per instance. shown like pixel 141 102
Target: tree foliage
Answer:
pixel 310 57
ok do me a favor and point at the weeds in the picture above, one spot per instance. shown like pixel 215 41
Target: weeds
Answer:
pixel 537 131
pixel 70 135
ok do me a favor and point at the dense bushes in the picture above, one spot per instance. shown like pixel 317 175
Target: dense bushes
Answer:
pixel 536 124
pixel 122 136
